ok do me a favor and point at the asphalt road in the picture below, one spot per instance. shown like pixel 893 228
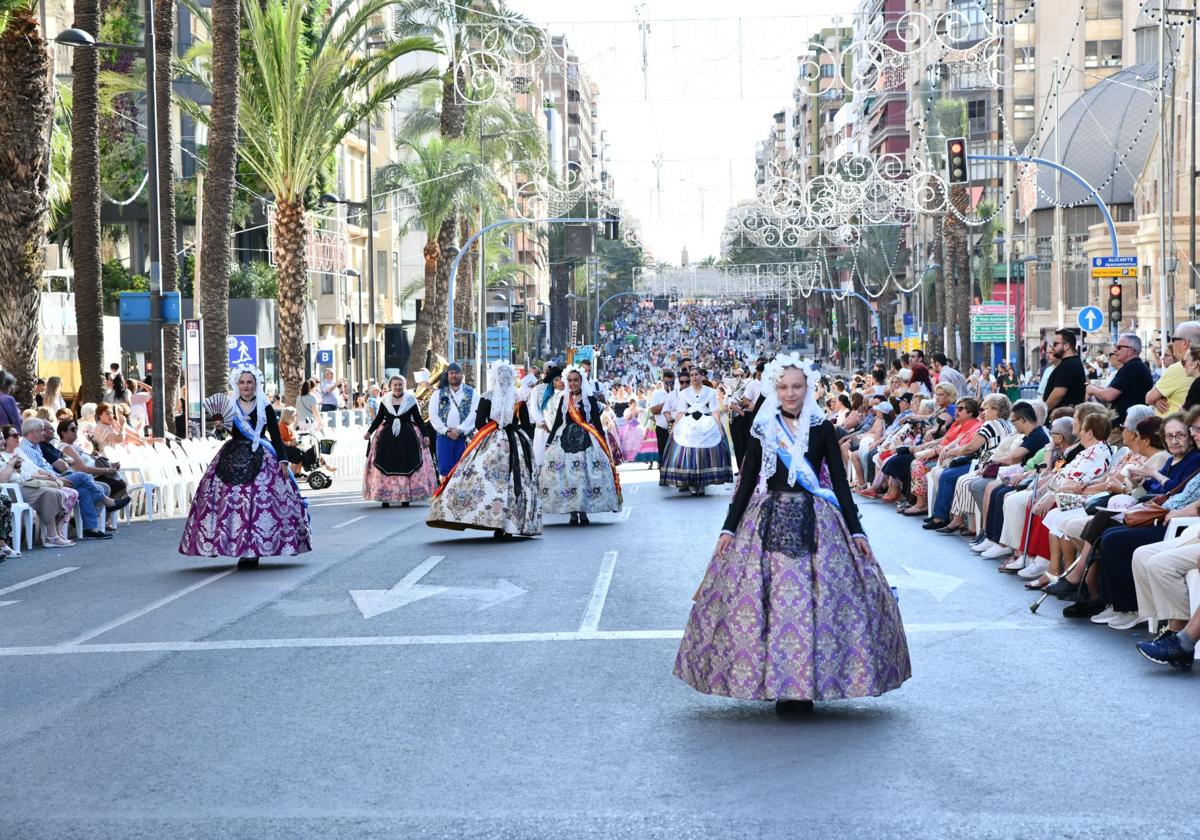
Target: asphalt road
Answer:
pixel 524 690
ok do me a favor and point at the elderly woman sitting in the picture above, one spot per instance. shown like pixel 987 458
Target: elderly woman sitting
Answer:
pixel 929 461
pixel 995 409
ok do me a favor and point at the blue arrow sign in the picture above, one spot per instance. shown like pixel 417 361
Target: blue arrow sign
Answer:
pixel 1091 318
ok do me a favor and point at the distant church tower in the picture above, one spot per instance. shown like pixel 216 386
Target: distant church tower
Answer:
pixel 683 258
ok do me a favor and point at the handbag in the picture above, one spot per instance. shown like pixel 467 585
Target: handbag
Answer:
pixel 960 461
pixel 990 470
pixel 1092 504
pixel 1143 515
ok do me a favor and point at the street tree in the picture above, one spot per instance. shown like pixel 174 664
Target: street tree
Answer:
pixel 305 85
pixel 437 177
pixel 25 118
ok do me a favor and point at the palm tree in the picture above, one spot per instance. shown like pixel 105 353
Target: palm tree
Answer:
pixel 304 88
pixel 85 206
pixel 438 179
pixel 219 185
pixel 25 112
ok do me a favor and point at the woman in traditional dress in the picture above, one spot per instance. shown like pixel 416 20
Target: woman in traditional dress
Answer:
pixel 493 487
pixel 248 504
pixel 399 468
pixel 542 406
pixel 578 476
pixel 793 607
pixel 699 454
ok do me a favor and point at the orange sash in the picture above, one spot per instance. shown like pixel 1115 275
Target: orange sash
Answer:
pixel 479 438
pixel 599 438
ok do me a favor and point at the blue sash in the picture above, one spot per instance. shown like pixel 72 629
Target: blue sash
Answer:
pixel 804 471
pixel 239 422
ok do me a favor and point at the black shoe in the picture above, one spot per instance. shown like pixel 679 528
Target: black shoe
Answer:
pixel 793 708
pixel 934 524
pixel 404 504
pixel 121 504
pixel 499 534
pixel 574 519
pixel 387 504
pixel 1061 588
pixel 583 519
pixel 1084 609
pixel 94 534
pixel 248 563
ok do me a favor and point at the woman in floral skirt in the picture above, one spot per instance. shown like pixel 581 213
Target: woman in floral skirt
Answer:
pixel 493 487
pixel 248 504
pixel 793 607
pixel 399 466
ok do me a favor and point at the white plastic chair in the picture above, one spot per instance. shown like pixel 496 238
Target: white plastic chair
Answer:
pixel 22 516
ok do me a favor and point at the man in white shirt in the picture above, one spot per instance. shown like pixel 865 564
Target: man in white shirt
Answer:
pixel 328 389
pixel 658 407
pixel 452 415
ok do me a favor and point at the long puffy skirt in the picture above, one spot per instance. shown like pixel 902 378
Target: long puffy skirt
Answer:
pixel 578 482
pixel 648 451
pixel 483 491
pixel 380 487
pixel 793 625
pixel 264 518
pixel 691 466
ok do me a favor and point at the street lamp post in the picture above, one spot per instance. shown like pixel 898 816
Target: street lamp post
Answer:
pixel 79 38
pixel 357 350
pixel 368 207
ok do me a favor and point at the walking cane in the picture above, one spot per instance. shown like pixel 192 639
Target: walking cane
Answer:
pixel 1033 497
pixel 1033 608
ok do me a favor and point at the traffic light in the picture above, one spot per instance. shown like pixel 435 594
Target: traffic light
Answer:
pixel 956 160
pixel 1114 304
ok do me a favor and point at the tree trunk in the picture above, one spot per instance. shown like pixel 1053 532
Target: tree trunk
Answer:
pixel 164 45
pixel 420 342
pixel 452 123
pixel 291 260
pixel 466 289
pixel 25 112
pixel 217 202
pixel 85 207
pixel 448 246
pixel 560 310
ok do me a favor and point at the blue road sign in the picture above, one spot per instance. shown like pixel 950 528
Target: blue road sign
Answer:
pixel 1091 318
pixel 325 357
pixel 243 349
pixel 1114 262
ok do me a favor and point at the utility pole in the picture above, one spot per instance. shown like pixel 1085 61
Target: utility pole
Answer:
pixel 1059 251
pixel 1164 295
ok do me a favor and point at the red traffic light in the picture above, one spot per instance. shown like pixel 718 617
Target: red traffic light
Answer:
pixel 956 148
pixel 1115 290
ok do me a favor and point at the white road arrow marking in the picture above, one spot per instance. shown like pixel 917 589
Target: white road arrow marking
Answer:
pixel 32 581
pixel 937 585
pixel 409 590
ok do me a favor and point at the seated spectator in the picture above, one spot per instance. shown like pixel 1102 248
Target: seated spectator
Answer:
pixel 41 490
pixel 995 409
pixel 1171 390
pixel 930 460
pixel 1132 381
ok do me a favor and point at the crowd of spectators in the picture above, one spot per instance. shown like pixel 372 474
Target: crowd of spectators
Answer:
pixel 1077 491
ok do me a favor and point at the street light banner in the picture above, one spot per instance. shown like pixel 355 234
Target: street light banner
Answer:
pixel 193 365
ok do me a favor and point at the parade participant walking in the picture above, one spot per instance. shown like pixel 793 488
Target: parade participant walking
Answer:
pixel 542 406
pixel 247 505
pixel 698 455
pixel 578 476
pixel 793 607
pixel 493 487
pixel 659 402
pixel 399 468
pixel 452 416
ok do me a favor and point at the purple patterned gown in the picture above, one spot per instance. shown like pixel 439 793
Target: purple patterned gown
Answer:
pixel 792 610
pixel 244 505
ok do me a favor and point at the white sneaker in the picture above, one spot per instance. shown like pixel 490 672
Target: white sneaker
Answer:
pixel 1104 617
pixel 998 551
pixel 1015 564
pixel 1125 621
pixel 1035 569
pixel 981 547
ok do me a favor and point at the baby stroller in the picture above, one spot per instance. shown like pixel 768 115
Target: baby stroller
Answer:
pixel 310 450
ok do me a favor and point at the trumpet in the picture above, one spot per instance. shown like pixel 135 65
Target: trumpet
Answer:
pixel 425 390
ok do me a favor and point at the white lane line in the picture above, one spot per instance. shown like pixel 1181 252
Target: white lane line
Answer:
pixel 417 641
pixel 591 618
pixel 350 521
pixel 33 581
pixel 623 516
pixel 149 608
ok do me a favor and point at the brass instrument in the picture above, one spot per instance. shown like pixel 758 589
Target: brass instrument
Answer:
pixel 426 390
